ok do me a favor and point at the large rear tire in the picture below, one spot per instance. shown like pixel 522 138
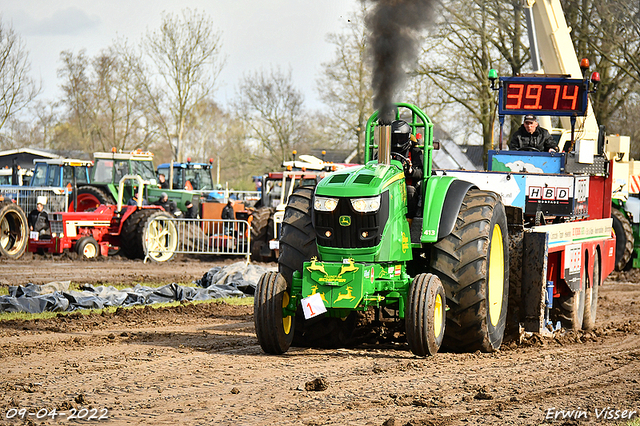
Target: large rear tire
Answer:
pixel 274 330
pixel 14 231
pixel 298 239
pixel 425 315
pixel 130 244
pixel 473 264
pixel 90 197
pixel 259 228
pixel 624 238
pixel 591 296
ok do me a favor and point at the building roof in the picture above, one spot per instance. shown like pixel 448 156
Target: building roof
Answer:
pixel 31 151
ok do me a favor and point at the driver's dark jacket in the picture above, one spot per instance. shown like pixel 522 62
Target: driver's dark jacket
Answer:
pixel 39 221
pixel 416 155
pixel 540 140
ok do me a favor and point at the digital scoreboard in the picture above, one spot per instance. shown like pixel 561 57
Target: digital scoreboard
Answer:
pixel 542 96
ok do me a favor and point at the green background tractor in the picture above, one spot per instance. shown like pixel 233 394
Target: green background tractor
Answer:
pixel 110 167
pixel 350 243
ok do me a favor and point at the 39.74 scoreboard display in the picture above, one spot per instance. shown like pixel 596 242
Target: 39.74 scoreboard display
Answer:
pixel 542 96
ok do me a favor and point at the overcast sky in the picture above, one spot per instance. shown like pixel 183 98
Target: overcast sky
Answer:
pixel 256 34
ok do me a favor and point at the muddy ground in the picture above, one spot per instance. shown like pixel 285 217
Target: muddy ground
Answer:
pixel 201 364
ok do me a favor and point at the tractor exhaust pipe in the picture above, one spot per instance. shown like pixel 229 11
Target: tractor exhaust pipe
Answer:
pixel 384 144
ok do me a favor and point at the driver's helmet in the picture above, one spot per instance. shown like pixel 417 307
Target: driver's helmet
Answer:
pixel 400 137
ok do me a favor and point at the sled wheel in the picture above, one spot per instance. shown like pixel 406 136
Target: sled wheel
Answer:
pixel 14 232
pixel 571 307
pixel 591 296
pixel 624 239
pixel 425 315
pixel 88 248
pixel 274 331
pixel 473 264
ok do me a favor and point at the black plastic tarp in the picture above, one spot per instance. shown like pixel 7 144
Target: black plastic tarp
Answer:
pixel 236 280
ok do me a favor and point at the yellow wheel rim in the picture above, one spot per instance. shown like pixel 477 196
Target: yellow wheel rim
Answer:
pixel 437 316
pixel 90 251
pixel 496 276
pixel 286 321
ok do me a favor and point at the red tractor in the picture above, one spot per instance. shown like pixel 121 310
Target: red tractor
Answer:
pixel 136 230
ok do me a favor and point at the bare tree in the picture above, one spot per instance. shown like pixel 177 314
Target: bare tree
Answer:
pixel 271 108
pixel 345 83
pixel 76 130
pixel 185 52
pixel 608 34
pixel 470 38
pixel 17 89
pixel 103 110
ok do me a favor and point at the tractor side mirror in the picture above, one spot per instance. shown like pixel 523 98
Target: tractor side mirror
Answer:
pixel 436 144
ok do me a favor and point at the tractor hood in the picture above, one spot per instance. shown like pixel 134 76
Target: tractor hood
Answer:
pixel 364 181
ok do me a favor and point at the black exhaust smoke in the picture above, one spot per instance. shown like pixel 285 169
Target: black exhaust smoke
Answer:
pixel 394 27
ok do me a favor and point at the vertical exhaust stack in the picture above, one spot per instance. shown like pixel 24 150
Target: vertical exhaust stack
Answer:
pixel 384 143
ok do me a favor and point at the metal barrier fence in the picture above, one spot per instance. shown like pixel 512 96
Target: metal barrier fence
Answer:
pixel 57 199
pixel 206 236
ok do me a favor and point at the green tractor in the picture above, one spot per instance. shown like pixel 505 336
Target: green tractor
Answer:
pixel 349 243
pixel 110 167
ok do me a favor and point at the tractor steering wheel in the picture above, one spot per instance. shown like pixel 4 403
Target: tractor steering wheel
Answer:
pixel 406 163
pixel 529 148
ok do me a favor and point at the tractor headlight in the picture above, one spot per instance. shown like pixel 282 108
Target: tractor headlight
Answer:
pixel 325 204
pixel 366 205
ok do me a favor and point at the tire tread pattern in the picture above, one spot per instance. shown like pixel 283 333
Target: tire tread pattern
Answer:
pixel 268 314
pixel 461 260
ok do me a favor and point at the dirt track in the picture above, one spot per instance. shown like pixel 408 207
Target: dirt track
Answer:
pixel 201 364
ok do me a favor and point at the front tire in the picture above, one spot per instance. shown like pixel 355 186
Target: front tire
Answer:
pixel 274 330
pixel 425 315
pixel 88 248
pixel 473 264
pixel 14 231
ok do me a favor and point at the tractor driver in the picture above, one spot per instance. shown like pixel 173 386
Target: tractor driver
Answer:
pixel 404 149
pixel 531 137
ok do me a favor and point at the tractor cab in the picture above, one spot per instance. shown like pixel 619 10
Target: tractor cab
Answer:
pixel 190 176
pixel 59 172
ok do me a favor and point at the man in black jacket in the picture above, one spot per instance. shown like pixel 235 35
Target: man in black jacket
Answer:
pixel 168 205
pixel 39 219
pixel 532 137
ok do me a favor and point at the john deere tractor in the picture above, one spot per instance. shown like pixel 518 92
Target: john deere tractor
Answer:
pixel 349 243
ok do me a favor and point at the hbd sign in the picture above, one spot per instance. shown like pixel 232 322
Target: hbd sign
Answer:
pixel 556 195
pixel 548 193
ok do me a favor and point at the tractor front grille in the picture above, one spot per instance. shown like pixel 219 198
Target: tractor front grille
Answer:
pixel 363 229
pixel 55 223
